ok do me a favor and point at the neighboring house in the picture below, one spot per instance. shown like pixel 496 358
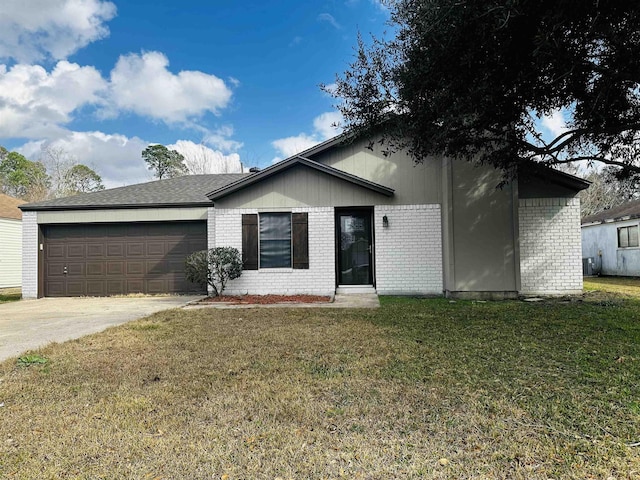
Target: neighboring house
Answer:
pixel 338 216
pixel 610 240
pixel 10 241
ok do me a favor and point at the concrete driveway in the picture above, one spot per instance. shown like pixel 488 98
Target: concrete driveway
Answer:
pixel 30 324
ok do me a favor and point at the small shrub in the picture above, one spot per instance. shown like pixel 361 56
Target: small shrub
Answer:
pixel 34 359
pixel 214 267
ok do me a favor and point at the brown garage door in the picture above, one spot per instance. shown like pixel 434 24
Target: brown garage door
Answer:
pixel 120 258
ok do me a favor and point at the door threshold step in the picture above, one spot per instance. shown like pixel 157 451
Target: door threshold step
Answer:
pixel 346 290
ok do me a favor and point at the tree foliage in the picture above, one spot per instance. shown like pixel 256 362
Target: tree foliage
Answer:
pixel 472 80
pixel 22 178
pixel 82 179
pixel 56 175
pixel 163 162
pixel 68 177
pixel 214 267
pixel 607 190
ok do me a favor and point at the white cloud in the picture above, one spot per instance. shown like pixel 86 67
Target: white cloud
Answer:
pixel 323 130
pixel 327 125
pixel 220 139
pixel 289 146
pixel 327 17
pixel 555 123
pixel 35 103
pixel 142 84
pixel 201 159
pixel 116 158
pixel 38 29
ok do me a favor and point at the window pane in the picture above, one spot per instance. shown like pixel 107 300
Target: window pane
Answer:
pixel 623 238
pixel 633 236
pixel 275 240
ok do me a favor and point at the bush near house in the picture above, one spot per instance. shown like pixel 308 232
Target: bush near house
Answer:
pixel 214 267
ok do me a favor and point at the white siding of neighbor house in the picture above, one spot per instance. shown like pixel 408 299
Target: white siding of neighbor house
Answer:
pixel 550 246
pixel 10 253
pixel 318 279
pixel 29 254
pixel 600 242
pixel 408 253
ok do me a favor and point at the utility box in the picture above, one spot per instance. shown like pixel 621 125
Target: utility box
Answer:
pixel 588 267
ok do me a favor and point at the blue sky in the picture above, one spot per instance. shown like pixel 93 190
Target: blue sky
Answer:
pixel 221 81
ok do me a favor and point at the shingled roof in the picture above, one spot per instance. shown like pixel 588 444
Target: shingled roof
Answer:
pixel 186 191
pixel 626 211
pixel 9 207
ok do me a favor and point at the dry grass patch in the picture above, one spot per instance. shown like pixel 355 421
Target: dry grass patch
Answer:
pixel 10 294
pixel 627 286
pixel 415 389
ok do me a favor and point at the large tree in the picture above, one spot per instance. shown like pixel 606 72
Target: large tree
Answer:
pixel 22 178
pixel 472 80
pixel 67 176
pixel 82 179
pixel 163 162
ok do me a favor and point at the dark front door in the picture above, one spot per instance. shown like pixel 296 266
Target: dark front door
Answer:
pixel 355 247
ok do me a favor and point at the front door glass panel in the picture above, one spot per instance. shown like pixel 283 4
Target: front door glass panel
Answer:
pixel 354 243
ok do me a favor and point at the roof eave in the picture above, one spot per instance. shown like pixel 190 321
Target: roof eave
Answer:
pixel 124 206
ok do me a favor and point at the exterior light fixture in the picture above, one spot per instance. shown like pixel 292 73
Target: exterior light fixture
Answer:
pixel 385 222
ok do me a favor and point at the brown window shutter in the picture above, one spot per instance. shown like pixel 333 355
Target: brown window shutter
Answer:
pixel 250 241
pixel 300 235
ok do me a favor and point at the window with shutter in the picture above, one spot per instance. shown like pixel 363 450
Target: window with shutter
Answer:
pixel 275 240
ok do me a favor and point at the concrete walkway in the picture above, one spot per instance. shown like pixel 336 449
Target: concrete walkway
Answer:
pixel 30 324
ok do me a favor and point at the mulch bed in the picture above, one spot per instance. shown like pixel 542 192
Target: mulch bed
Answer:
pixel 266 299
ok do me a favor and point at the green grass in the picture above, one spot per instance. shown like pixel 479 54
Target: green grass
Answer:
pixel 10 294
pixel 498 389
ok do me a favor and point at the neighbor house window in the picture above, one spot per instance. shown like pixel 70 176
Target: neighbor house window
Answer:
pixel 275 240
pixel 628 236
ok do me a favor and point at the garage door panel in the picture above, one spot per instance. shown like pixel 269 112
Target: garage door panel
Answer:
pixel 55 269
pixel 95 268
pixel 75 288
pixel 56 288
pixel 135 286
pixel 115 268
pixel 55 251
pixel 177 247
pixel 111 259
pixel 156 286
pixel 95 288
pixel 134 267
pixel 156 248
pixel 135 249
pixel 95 250
pixel 75 269
pixel 115 249
pixel 157 267
pixel 76 251
pixel 115 287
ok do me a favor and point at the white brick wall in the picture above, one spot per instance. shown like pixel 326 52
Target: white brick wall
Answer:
pixel 29 254
pixel 408 253
pixel 550 246
pixel 319 279
pixel 211 228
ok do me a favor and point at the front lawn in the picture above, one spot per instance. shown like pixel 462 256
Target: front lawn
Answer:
pixel 629 286
pixel 415 389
